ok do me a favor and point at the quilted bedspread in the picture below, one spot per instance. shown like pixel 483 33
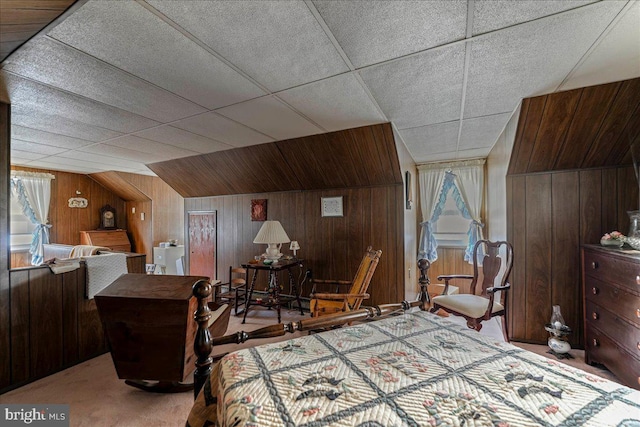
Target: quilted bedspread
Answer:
pixel 413 369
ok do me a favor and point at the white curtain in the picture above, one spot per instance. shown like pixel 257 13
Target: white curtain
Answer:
pixel 470 182
pixel 430 179
pixel 34 194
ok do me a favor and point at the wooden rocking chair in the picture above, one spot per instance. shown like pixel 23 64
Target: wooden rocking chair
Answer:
pixel 327 303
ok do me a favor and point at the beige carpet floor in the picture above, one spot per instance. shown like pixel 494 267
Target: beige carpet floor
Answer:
pixel 98 398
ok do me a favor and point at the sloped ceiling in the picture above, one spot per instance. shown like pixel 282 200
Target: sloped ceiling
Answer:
pixel 360 157
pixel 118 85
pixel 580 128
pixel 20 20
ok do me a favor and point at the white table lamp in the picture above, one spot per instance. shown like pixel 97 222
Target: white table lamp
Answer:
pixel 272 234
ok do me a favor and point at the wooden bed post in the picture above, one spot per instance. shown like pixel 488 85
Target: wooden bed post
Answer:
pixel 202 345
pixel 423 266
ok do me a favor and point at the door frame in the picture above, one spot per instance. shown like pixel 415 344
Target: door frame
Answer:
pixel 187 251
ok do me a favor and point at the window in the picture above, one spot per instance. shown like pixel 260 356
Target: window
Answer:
pixel 450 230
pixel 20 226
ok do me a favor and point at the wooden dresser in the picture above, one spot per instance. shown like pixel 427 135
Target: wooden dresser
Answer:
pixel 611 280
pixel 116 240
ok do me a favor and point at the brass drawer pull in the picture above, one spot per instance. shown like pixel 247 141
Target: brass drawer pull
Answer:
pixel 595 315
pixel 595 290
pixel 596 343
pixel 638 345
pixel 638 313
pixel 594 265
pixel 637 280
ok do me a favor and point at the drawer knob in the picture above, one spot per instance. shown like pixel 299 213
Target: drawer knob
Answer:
pixel 594 265
pixel 596 343
pixel 595 315
pixel 638 345
pixel 638 313
pixel 637 280
pixel 595 290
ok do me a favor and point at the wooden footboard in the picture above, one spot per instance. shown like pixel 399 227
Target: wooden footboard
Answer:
pixel 204 343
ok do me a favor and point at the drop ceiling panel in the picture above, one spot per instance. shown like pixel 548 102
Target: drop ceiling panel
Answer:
pixel 271 117
pixel 53 63
pixel 482 132
pixel 48 138
pixel 21 156
pixel 33 118
pixel 126 35
pixel 35 148
pixel 531 58
pixel 181 138
pixel 214 126
pixel 59 163
pixel 41 97
pixel 372 32
pixel 473 153
pixel 101 158
pixel 490 15
pixel 335 104
pixel 617 56
pixel 419 90
pixel 425 141
pixel 94 165
pixel 279 44
pixel 124 153
pixel 152 147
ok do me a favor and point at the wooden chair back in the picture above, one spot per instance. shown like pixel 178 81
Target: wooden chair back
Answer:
pixel 363 276
pixel 494 273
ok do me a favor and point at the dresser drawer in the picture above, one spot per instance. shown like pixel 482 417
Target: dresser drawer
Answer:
pixel 611 324
pixel 601 349
pixel 616 299
pixel 610 269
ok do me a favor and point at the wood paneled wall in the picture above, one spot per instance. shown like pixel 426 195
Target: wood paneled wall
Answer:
pixel 162 206
pixel 581 128
pixel 359 157
pixel 331 247
pixel 550 215
pixel 22 19
pixel 68 222
pixel 51 324
pixel 451 261
pixel 5 337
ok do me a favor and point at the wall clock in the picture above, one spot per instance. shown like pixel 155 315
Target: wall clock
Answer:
pixel 107 218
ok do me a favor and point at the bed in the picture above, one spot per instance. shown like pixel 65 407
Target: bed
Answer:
pixel 411 369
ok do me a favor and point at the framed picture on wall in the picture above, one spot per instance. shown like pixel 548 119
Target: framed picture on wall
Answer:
pixel 259 210
pixel 332 206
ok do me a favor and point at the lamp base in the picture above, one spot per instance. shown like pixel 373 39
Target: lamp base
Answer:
pixel 273 252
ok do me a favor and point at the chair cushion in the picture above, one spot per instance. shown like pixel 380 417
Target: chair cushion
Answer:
pixel 470 305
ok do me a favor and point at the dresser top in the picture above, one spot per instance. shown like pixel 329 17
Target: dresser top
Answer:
pixel 625 251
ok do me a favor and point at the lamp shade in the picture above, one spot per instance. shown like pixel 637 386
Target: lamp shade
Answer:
pixel 271 232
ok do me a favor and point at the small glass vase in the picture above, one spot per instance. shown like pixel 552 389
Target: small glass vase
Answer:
pixel 633 238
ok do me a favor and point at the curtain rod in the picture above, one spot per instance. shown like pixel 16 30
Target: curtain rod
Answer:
pixel 456 164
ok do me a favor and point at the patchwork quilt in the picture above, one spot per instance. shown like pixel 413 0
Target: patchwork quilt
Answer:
pixel 416 369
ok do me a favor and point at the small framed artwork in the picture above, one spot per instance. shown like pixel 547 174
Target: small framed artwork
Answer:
pixel 151 268
pixel 259 210
pixel 408 190
pixel 332 206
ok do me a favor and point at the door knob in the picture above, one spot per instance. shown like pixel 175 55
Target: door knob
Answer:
pixel 595 342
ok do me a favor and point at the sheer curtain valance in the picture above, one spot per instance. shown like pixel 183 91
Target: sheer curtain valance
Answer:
pixel 33 191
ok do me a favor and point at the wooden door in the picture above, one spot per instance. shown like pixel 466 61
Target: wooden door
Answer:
pixel 202 244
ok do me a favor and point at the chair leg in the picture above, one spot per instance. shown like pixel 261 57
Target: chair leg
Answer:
pixel 505 328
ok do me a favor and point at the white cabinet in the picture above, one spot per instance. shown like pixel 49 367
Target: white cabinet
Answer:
pixel 166 258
